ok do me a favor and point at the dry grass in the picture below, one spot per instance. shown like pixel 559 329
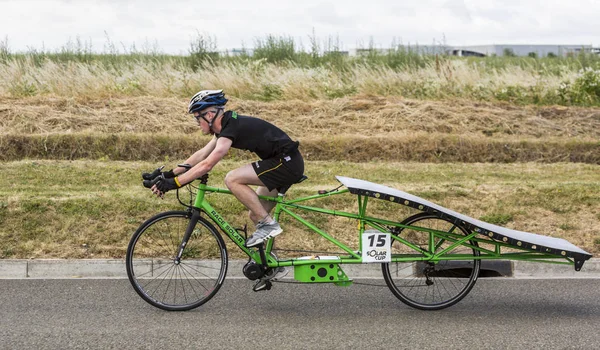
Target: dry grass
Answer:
pixel 359 115
pixel 360 128
pixel 419 147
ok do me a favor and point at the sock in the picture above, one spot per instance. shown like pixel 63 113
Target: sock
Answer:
pixel 268 222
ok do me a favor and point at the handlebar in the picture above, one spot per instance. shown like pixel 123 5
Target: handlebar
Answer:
pixel 150 179
pixel 150 183
pixel 152 175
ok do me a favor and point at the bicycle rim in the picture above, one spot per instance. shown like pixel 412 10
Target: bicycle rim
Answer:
pixel 425 285
pixel 165 283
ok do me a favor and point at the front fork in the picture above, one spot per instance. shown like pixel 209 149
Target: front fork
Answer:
pixel 188 233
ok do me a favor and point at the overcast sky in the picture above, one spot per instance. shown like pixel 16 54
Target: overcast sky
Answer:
pixel 171 25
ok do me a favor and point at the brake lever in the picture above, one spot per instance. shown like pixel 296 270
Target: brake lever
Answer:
pixel 152 175
pixel 150 183
pixel 186 166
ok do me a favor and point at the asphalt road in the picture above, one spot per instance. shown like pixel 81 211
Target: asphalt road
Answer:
pixel 108 314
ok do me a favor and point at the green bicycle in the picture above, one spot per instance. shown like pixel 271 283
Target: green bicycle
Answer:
pixel 177 260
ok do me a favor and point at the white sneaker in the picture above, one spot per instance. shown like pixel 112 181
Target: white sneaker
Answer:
pixel 263 232
pixel 273 275
pixel 262 284
pixel 277 273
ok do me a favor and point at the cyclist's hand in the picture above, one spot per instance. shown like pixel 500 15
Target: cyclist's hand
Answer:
pixel 161 185
pixel 157 172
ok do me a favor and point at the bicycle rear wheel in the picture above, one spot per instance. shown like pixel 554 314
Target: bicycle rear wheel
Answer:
pixel 174 285
pixel 426 285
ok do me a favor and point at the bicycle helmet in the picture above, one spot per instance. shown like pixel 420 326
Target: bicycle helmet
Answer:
pixel 206 98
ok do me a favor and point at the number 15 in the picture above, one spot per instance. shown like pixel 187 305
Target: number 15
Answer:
pixel 380 240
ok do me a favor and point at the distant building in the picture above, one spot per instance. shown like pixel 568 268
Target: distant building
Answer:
pixel 336 52
pixel 237 52
pixel 420 49
pixel 595 50
pixel 463 51
pixel 519 50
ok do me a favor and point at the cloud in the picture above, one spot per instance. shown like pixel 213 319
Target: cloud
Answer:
pixel 173 24
pixel 458 10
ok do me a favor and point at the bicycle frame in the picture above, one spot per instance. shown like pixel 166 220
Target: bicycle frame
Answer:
pixel 436 238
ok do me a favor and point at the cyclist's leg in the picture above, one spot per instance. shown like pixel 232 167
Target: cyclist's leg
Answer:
pixel 239 181
pixel 268 205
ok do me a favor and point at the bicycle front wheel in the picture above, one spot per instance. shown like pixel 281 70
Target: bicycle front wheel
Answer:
pixel 159 278
pixel 424 284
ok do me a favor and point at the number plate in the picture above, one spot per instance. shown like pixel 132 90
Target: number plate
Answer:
pixel 376 247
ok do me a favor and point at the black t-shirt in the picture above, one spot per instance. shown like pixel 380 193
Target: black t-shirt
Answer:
pixel 255 135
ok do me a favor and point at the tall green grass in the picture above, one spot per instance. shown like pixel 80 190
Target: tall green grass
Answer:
pixel 282 69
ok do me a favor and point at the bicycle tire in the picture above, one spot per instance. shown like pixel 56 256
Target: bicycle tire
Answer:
pixel 154 273
pixel 424 285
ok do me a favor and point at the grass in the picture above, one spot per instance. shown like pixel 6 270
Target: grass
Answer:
pixel 361 128
pixel 364 115
pixel 420 147
pixel 497 218
pixel 513 141
pixel 89 209
pixel 283 69
pixel 568 82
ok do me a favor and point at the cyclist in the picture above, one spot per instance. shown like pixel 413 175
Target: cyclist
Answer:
pixel 280 164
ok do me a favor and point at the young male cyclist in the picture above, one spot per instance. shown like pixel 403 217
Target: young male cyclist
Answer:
pixel 280 164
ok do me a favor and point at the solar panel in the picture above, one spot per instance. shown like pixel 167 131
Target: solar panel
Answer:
pixel 520 239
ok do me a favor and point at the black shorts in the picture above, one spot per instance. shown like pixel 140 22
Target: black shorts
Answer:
pixel 280 172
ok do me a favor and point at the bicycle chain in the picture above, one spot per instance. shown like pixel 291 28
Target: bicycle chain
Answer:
pixel 358 283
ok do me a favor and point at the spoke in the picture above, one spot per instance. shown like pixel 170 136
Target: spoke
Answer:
pixel 158 253
pixel 182 285
pixel 198 271
pixel 175 271
pixel 415 280
pixel 205 266
pixel 143 274
pixel 160 242
pixel 200 235
pixel 161 281
pixel 427 290
pixel 441 281
pixel 176 238
pixel 169 284
pixel 450 279
pixel 195 279
pixel 188 280
pixel 152 270
pixel 160 235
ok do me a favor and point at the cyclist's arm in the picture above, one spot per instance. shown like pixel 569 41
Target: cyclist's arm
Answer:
pixel 197 157
pixel 220 150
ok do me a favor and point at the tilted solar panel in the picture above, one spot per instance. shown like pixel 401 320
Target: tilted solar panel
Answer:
pixel 527 240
